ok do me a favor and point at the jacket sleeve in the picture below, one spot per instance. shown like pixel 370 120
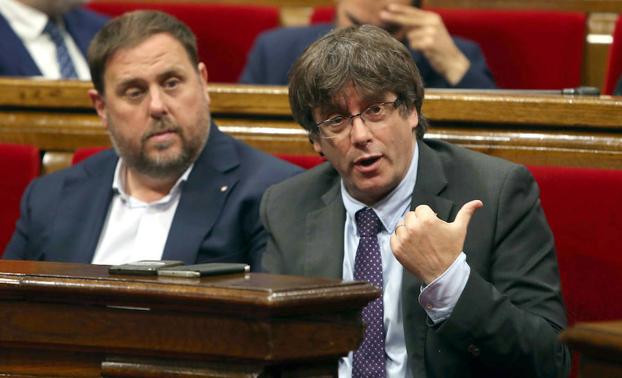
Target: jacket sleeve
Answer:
pixel 510 320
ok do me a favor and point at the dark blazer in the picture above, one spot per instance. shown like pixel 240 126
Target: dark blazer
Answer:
pixel 506 321
pixel 217 219
pixel 15 60
pixel 275 52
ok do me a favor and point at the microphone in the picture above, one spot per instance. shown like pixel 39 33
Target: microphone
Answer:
pixel 581 91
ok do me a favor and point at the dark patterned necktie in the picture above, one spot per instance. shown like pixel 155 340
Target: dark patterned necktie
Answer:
pixel 369 359
pixel 67 69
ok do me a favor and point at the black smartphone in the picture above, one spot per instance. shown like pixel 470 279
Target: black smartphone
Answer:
pixel 207 269
pixel 143 267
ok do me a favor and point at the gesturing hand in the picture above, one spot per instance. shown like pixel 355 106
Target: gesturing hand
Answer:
pixel 426 245
pixel 426 32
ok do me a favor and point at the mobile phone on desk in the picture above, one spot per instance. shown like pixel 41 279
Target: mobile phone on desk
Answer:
pixel 143 267
pixel 207 269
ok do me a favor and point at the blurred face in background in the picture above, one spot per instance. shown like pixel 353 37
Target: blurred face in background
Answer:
pixel 358 12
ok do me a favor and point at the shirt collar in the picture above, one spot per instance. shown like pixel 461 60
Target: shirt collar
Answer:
pixel 118 186
pixel 388 209
pixel 27 22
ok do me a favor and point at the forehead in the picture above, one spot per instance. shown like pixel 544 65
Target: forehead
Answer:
pixel 157 52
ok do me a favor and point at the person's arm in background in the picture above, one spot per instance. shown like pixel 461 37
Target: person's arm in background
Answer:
pixel 425 31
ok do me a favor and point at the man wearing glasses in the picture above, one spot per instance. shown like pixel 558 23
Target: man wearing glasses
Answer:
pixel 456 240
pixel 443 61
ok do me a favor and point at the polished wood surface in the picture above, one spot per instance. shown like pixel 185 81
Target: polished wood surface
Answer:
pixel 599 346
pixel 78 320
pixel 532 128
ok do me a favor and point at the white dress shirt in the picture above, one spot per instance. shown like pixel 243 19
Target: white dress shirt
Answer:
pixel 438 298
pixel 135 230
pixel 28 23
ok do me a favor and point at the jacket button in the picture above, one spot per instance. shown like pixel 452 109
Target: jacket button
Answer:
pixel 473 350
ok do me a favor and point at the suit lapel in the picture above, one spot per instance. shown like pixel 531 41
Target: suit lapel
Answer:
pixel 324 236
pixel 82 209
pixel 203 196
pixel 430 183
pixel 21 63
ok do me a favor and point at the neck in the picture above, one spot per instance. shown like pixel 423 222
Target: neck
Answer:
pixel 147 188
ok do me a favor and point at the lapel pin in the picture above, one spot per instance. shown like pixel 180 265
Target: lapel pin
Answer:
pixel 223 188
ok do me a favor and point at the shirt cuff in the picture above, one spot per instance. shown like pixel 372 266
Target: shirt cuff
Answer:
pixel 440 296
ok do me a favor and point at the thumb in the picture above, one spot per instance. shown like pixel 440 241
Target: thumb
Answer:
pixel 466 212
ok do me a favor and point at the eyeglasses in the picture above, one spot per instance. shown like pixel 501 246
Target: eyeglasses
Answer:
pixel 373 116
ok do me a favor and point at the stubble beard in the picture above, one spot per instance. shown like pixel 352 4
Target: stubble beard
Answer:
pixel 159 164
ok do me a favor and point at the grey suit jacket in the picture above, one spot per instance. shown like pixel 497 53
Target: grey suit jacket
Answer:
pixel 506 321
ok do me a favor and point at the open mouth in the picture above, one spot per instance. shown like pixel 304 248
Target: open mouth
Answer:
pixel 367 161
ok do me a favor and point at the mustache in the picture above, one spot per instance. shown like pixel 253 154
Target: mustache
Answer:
pixel 159 126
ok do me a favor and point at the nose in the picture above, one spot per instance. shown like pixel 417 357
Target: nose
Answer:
pixel 157 107
pixel 359 133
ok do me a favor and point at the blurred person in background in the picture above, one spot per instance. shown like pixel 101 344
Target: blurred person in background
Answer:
pixel 444 61
pixel 46 38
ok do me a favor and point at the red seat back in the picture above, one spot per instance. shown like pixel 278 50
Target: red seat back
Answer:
pixel 524 49
pixel 614 67
pixel 84 152
pixel 225 33
pixel 583 207
pixel 19 164
pixel 303 161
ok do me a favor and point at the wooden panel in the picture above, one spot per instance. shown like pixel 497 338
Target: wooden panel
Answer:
pixel 599 345
pixel 66 319
pixel 527 127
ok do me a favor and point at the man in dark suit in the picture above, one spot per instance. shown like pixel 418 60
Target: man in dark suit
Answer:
pixel 27 49
pixel 443 61
pixel 174 188
pixel 458 242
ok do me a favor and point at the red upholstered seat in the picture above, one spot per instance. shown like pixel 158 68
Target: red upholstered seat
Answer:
pixel 84 152
pixel 583 207
pixel 524 49
pixel 303 161
pixel 19 164
pixel 225 33
pixel 614 68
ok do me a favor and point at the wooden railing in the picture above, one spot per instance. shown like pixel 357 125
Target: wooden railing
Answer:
pixel 530 128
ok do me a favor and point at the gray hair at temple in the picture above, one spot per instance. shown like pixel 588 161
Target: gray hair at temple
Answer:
pixel 130 30
pixel 365 56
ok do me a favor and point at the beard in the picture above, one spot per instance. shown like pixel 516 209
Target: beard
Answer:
pixel 160 163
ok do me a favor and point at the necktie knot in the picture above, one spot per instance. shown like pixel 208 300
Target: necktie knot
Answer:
pixel 53 31
pixel 367 222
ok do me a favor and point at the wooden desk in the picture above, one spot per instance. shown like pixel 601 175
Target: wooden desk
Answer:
pixel 599 346
pixel 75 320
pixel 533 129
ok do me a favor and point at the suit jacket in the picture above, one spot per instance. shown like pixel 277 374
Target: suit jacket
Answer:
pixel 217 219
pixel 506 321
pixel 275 52
pixel 15 60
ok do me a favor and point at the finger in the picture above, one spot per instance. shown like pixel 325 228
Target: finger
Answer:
pixel 466 212
pixel 424 211
pixel 408 16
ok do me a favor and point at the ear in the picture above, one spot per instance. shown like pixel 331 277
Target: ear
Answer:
pixel 99 104
pixel 203 77
pixel 413 119
pixel 317 146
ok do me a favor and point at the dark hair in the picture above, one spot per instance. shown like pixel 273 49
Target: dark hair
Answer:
pixel 364 56
pixel 129 30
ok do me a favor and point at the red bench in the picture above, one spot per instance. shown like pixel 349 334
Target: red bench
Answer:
pixel 524 49
pixel 19 164
pixel 225 32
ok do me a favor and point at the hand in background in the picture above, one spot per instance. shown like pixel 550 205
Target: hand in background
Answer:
pixel 426 32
